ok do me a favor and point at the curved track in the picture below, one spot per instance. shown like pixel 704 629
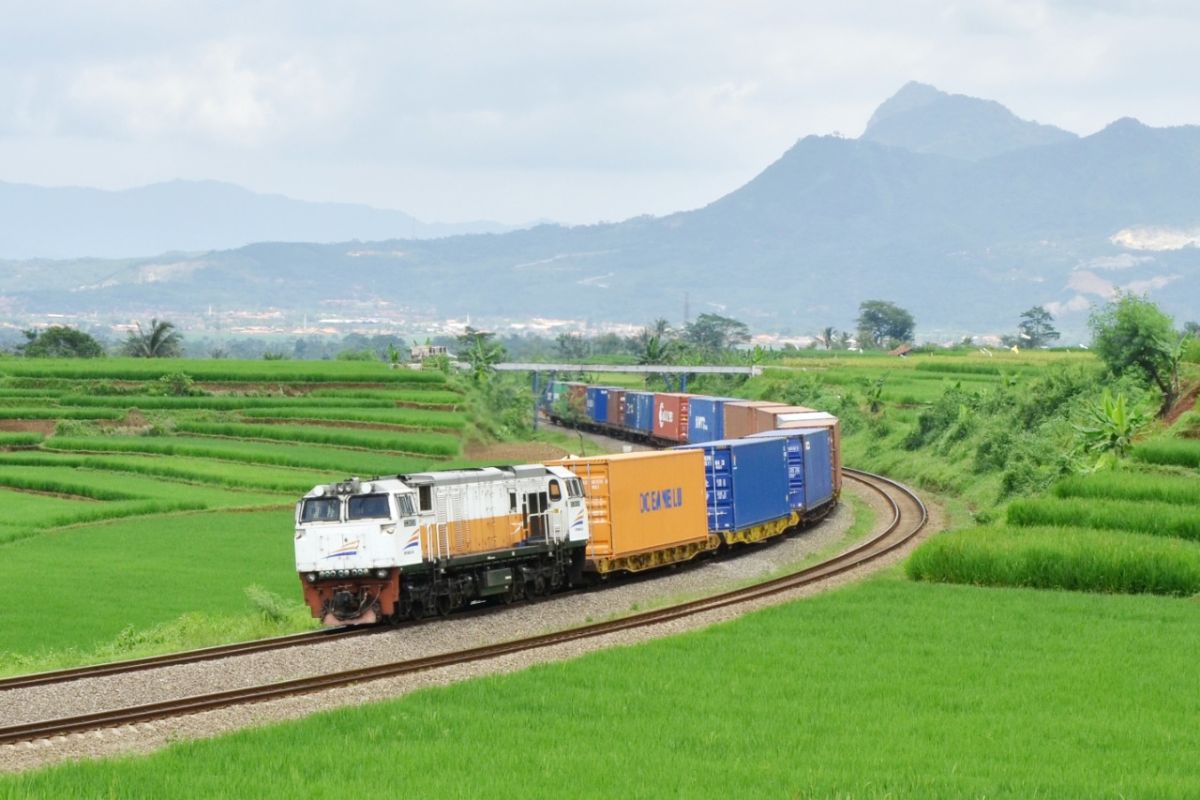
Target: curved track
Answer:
pixel 909 517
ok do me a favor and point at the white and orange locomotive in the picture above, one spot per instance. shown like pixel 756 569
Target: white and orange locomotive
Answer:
pixel 408 546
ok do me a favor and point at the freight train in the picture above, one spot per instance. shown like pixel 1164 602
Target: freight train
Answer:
pixel 408 546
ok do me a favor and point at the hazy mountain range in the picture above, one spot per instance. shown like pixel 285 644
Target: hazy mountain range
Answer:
pixel 949 205
pixel 67 222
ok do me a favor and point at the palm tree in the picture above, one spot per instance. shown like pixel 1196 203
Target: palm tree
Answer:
pixel 160 340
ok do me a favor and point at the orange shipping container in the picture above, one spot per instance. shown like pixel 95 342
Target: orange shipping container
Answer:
pixel 644 509
pixel 740 417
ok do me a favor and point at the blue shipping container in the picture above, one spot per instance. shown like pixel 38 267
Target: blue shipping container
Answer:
pixel 747 482
pixel 597 403
pixel 706 419
pixel 810 464
pixel 639 411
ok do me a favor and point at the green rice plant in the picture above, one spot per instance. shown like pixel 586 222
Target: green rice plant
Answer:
pixel 349 462
pixel 26 514
pixel 101 484
pixel 400 417
pixel 9 393
pixel 146 572
pixel 60 412
pixel 199 470
pixel 1174 452
pixel 225 370
pixel 1129 485
pixel 1013 694
pixel 221 402
pixel 416 443
pixel 18 438
pixel 1076 559
pixel 434 396
pixel 1160 519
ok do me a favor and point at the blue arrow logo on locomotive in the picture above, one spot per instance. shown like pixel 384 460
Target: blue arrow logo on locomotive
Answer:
pixel 661 499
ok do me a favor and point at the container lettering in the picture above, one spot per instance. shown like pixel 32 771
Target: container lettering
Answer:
pixel 659 500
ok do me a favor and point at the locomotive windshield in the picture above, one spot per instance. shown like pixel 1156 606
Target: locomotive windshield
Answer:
pixel 369 506
pixel 320 509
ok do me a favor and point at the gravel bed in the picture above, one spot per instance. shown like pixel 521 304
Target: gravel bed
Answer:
pixel 434 637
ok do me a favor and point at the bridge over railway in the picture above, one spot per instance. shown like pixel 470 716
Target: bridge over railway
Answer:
pixel 682 372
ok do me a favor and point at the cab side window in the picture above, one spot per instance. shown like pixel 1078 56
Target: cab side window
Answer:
pixel 555 490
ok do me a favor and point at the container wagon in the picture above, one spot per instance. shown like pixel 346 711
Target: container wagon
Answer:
pixel 819 419
pixel 741 419
pixel 645 510
pixel 706 418
pixel 639 413
pixel 748 492
pixel 810 467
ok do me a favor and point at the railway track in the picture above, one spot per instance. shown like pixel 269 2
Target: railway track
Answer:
pixel 183 657
pixel 909 517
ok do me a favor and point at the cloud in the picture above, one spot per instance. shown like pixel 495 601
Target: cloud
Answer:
pixel 1117 262
pixel 1074 305
pixel 216 93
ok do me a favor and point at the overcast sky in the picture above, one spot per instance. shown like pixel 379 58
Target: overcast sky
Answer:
pixel 570 111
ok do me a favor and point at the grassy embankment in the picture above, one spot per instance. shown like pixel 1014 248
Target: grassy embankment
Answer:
pixel 890 689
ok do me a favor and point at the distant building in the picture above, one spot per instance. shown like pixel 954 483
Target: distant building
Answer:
pixel 420 352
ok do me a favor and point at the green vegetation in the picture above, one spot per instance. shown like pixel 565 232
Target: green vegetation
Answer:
pixel 953 692
pixel 281 454
pixel 198 470
pixel 1130 485
pixel 59 341
pixel 1161 519
pixel 19 439
pixel 1077 559
pixel 141 573
pixel 1174 452
pixel 400 417
pixel 141 369
pixel 410 443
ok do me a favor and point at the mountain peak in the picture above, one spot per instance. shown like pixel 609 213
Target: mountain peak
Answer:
pixel 924 119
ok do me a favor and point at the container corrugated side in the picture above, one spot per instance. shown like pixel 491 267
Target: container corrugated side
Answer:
pixel 639 411
pixel 641 502
pixel 766 417
pixel 670 416
pixel 616 407
pixel 740 417
pixel 597 403
pixel 810 465
pixel 820 419
pixel 706 418
pixel 747 480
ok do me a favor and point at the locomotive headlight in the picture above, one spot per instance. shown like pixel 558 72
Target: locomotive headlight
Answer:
pixel 312 577
pixel 299 533
pixel 381 573
pixel 389 528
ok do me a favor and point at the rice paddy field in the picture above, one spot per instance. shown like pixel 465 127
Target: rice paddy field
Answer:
pixel 165 488
pixel 891 689
pixel 1047 653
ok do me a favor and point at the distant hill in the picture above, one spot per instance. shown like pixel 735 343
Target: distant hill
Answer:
pixel 42 222
pixel 965 244
pixel 923 119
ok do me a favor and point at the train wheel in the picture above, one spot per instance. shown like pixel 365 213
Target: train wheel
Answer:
pixel 444 605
